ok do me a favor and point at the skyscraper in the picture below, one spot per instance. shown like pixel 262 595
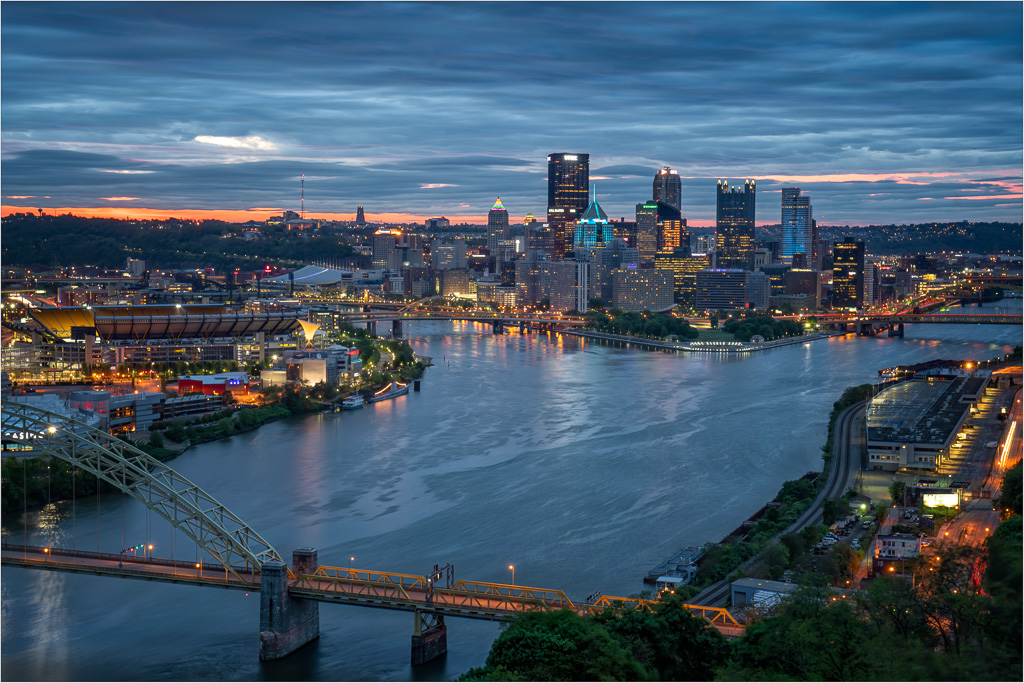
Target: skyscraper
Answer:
pixel 647 230
pixel 668 188
pixel 360 218
pixel 848 274
pixel 568 192
pixel 797 226
pixel 734 226
pixel 385 256
pixel 497 226
pixel 671 228
pixel 592 230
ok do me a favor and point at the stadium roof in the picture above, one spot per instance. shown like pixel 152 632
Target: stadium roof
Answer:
pixel 142 323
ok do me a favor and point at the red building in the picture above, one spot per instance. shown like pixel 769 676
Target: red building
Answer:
pixel 235 382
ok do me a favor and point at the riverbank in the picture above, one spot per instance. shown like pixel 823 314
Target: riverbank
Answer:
pixel 702 346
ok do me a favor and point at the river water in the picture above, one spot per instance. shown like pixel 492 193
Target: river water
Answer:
pixel 582 465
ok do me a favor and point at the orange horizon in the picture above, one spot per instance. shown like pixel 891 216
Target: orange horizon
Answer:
pixel 243 215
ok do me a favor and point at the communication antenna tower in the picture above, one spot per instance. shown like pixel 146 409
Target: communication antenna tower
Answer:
pixel 302 201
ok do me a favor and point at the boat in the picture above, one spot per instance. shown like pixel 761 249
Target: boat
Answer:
pixel 390 391
pixel 352 402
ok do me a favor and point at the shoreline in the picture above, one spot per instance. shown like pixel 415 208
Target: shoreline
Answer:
pixel 703 347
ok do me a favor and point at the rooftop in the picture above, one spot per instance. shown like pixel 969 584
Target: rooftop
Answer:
pixel 918 411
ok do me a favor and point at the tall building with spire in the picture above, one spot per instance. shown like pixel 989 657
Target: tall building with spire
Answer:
pixel 497 226
pixel 734 226
pixel 797 226
pixel 360 218
pixel 668 188
pixel 568 185
pixel 593 230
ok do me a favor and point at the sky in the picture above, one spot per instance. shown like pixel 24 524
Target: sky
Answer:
pixel 882 112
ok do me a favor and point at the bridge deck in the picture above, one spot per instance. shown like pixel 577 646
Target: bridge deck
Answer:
pixel 382 590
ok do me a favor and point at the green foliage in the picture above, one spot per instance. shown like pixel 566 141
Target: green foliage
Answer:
pixel 721 560
pixel 851 395
pixel 897 489
pixel 1010 490
pixel 176 431
pixel 745 325
pixel 666 644
pixel 156 439
pixel 640 323
pixel 556 646
pixel 227 425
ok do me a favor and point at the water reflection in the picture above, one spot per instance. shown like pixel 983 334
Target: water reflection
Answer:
pixel 582 464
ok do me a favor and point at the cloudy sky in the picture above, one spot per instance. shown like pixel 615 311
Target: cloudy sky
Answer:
pixel 883 112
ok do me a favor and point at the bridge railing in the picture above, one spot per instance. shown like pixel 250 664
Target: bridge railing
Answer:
pixel 719 616
pixel 547 596
pixel 364 583
pixel 129 564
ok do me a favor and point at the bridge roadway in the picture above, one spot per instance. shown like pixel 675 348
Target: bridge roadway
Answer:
pixel 897 318
pixel 467 316
pixel 384 590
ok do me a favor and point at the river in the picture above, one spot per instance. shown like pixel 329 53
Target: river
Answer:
pixel 580 464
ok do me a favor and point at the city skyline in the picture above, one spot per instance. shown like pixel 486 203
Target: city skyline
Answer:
pixel 884 113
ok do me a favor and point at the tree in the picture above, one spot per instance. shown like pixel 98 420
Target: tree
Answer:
pixel 811 638
pixel 1010 490
pixel 156 439
pixel 897 492
pixel 669 642
pixel 556 646
pixel 829 510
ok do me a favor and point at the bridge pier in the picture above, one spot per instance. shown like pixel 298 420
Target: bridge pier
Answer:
pixel 499 327
pixel 429 637
pixel 371 327
pixel 396 329
pixel 286 623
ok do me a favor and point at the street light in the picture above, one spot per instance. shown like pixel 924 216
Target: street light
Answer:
pixel 512 567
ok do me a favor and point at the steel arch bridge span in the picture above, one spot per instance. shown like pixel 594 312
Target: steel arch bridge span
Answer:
pixel 186 506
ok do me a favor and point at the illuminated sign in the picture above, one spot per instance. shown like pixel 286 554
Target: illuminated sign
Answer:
pixel 941 499
pixel 569 157
pixel 23 435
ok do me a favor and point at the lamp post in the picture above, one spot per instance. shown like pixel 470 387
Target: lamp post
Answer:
pixel 513 569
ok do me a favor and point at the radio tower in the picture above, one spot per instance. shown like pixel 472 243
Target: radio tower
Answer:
pixel 302 206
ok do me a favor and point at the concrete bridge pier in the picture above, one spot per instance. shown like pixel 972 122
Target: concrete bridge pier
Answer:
pixel 499 327
pixel 866 329
pixel 371 327
pixel 286 623
pixel 396 329
pixel 429 637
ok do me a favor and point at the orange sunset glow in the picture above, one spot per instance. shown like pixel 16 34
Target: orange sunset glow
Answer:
pixel 228 215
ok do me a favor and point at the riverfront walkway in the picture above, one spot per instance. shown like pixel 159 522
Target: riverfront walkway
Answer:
pixel 703 346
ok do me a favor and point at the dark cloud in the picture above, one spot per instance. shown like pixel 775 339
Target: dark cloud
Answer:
pixel 426 107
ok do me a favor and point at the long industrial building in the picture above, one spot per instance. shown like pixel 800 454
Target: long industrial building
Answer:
pixel 913 425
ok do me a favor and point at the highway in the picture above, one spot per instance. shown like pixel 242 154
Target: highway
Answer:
pixel 845 463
